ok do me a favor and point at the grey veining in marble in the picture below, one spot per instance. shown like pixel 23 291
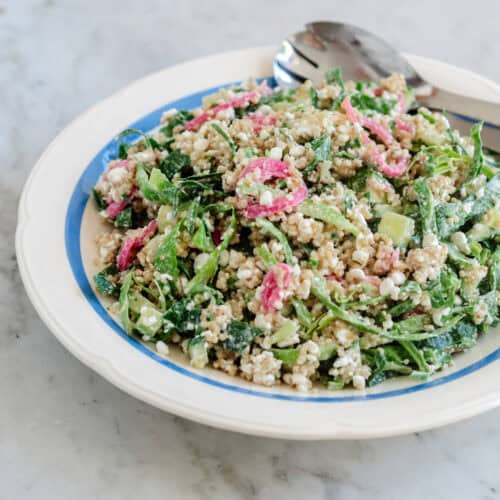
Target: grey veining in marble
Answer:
pixel 65 432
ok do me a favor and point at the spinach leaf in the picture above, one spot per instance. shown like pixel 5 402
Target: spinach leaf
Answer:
pixel 321 147
pixel 442 291
pixel 180 118
pixel 413 324
pixel 183 317
pixel 175 162
pixel 124 218
pixel 240 335
pixel 102 282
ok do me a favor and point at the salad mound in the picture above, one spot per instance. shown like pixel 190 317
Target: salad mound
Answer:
pixel 336 235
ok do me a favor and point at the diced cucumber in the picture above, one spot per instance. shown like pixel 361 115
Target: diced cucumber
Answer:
pixel 326 350
pixel 138 301
pixel 287 356
pixel 150 321
pixel 488 227
pixel 335 385
pixel 397 227
pixel 157 179
pixel 286 331
pixel 380 209
pixel 197 350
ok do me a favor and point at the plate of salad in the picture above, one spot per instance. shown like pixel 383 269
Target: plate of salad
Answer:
pixel 309 263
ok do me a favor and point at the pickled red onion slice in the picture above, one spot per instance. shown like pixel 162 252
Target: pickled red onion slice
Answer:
pixel 275 282
pixel 268 168
pixel 132 245
pixel 237 102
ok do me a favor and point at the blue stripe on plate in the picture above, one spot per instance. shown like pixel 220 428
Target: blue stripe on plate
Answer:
pixel 73 223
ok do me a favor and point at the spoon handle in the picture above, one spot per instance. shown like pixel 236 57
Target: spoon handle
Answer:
pixel 469 106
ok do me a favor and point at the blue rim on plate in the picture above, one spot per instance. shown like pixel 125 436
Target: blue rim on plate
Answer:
pixel 72 234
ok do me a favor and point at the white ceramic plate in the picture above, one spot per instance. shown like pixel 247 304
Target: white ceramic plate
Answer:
pixel 55 253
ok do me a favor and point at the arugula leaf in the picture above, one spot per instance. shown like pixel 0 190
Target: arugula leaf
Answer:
pixel 314 97
pixel 225 136
pixel 98 199
pixel 326 213
pixel 180 118
pixel 123 151
pixel 270 228
pixel 165 261
pixel 135 131
pixel 124 218
pixel 366 102
pixel 442 291
pixel 321 147
pixel 265 256
pixel 202 239
pixel 190 222
pixel 401 308
pixel 426 206
pixel 451 217
pixel 240 336
pixel 175 162
pixel 478 157
pixel 124 301
pixel 335 76
pixel 303 315
pixel 413 324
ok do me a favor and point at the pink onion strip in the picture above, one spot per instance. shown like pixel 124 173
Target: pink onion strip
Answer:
pixel 275 282
pixel 132 245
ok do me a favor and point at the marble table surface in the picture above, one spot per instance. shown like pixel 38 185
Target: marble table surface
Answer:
pixel 67 433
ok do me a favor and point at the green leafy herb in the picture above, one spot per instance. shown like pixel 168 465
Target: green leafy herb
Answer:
pixel 123 151
pixel 183 317
pixel 165 261
pixel 335 76
pixel 314 97
pixel 478 157
pixel 366 102
pixel 426 206
pixel 269 228
pixel 321 147
pixel 239 336
pixel 103 282
pixel 326 213
pixel 98 199
pixel 180 118
pixel 175 163
pixel 125 302
pixel 124 218
pixel 225 136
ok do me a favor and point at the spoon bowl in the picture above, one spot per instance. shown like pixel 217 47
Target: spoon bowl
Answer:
pixel 361 55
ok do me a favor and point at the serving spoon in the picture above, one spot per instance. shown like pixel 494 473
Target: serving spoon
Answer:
pixel 361 55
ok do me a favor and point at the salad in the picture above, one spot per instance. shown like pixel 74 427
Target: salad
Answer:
pixel 335 235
